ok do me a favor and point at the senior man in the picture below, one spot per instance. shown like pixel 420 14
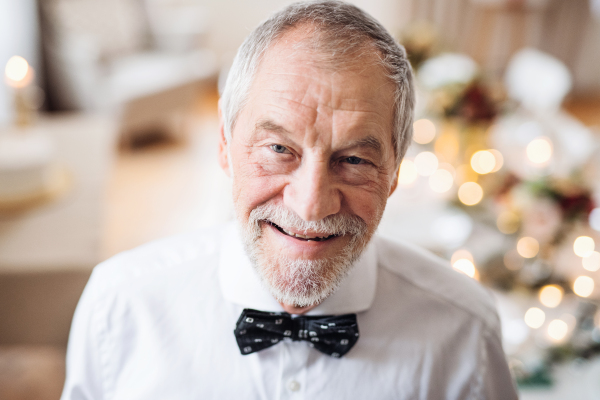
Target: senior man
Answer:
pixel 299 299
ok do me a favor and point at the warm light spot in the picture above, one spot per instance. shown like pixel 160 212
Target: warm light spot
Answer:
pixel 447 146
pixel 499 159
pixel 16 68
pixel 583 246
pixel 441 181
pixel 583 286
pixel 557 329
pixel 470 193
pixel 528 247
pixel 408 172
pixel 591 262
pixel 508 222
pixel 513 261
pixel 483 162
pixel 534 317
pixel 539 150
pixel 551 295
pixel 424 131
pixel 465 266
pixel 460 254
pixel 426 163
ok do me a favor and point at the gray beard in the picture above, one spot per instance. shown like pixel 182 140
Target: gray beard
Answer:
pixel 299 282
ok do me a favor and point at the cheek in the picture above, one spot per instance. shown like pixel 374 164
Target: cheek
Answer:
pixel 368 202
pixel 255 182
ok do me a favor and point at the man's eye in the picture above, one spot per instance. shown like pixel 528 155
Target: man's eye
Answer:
pixel 354 160
pixel 277 148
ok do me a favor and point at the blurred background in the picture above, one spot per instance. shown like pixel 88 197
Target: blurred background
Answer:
pixel 108 138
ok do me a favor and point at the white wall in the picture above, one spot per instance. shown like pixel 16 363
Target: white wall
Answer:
pixel 232 20
pixel 18 36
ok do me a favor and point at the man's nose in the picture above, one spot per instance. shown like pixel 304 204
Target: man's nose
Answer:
pixel 312 193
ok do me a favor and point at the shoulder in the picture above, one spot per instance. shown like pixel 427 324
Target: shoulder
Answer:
pixel 159 259
pixel 435 278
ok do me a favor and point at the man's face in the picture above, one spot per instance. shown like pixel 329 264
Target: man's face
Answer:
pixel 311 155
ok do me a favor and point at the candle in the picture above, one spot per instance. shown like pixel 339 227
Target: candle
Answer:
pixel 19 75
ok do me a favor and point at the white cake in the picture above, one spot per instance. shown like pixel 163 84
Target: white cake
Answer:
pixel 25 164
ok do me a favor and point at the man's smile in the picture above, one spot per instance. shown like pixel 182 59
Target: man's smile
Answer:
pixel 306 237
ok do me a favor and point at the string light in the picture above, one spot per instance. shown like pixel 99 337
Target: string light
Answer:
pixel 408 172
pixel 534 317
pixel 583 246
pixel 426 163
pixel 423 131
pixel 470 193
pixel 528 247
pixel 539 150
pixel 557 330
pixel 441 181
pixel 466 267
pixel 483 162
pixel 551 295
pixel 591 262
pixel 583 286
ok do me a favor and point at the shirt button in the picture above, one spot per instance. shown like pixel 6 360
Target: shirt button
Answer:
pixel 294 386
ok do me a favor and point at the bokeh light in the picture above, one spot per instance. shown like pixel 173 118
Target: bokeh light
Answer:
pixel 583 286
pixel 470 193
pixel 426 163
pixel 583 246
pixel 424 131
pixel 508 222
pixel 499 159
pixel 460 254
pixel 528 247
pixel 513 261
pixel 441 181
pixel 465 266
pixel 483 162
pixel 447 146
pixel 539 150
pixel 534 317
pixel 16 68
pixel 408 172
pixel 551 295
pixel 557 330
pixel 591 262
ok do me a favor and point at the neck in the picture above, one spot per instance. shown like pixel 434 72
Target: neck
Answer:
pixel 291 309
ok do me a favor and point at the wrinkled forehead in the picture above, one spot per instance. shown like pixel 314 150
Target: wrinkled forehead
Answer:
pixel 326 48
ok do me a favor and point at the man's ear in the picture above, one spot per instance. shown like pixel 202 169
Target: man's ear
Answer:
pixel 394 181
pixel 223 150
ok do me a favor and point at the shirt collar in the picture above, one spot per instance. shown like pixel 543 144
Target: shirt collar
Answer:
pixel 241 285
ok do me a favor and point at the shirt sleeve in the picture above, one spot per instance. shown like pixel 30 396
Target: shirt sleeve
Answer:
pixel 497 382
pixel 84 364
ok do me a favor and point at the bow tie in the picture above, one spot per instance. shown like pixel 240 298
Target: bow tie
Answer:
pixel 332 335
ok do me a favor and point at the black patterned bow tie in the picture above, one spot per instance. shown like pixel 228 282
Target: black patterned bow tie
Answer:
pixel 332 335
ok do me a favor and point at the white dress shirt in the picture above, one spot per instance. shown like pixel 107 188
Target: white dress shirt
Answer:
pixel 157 322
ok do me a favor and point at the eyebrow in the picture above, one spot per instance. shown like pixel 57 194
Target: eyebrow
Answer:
pixel 370 141
pixel 268 125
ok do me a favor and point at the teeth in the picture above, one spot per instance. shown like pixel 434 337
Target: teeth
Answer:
pixel 303 236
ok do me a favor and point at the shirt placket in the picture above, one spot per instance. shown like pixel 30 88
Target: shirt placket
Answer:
pixel 294 358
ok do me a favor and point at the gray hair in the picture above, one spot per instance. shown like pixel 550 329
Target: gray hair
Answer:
pixel 342 26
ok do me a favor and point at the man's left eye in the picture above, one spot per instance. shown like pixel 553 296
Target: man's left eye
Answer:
pixel 277 148
pixel 354 160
